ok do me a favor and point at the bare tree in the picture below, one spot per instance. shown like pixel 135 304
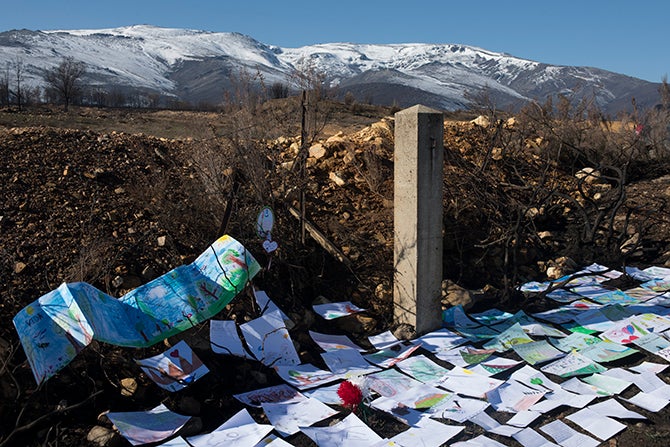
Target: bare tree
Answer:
pixel 64 80
pixel 18 71
pixel 4 87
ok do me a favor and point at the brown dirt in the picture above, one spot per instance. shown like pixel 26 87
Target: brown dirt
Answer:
pixel 86 196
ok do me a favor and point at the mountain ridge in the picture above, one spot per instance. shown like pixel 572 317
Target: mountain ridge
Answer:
pixel 198 66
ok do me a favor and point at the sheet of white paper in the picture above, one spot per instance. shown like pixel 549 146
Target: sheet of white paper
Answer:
pixel 326 394
pixel 649 367
pixel 524 418
pixel 512 397
pixel 406 415
pixel 494 365
pixel 240 436
pixel 224 339
pixel 269 340
pixel 531 377
pixel 566 436
pixel 479 441
pixel 305 376
pixel 422 368
pixel 608 384
pixel 440 341
pixel 602 427
pixel 347 363
pixel 267 306
pixel 513 335
pixel 175 442
pixel 386 443
pixel 612 408
pixel 330 311
pixel 388 357
pixel 571 399
pixel 240 418
pixel 574 385
pixel 175 368
pixel 427 433
pixel 652 342
pixel 143 427
pixel 329 342
pixel 537 352
pixel 350 431
pixel 275 394
pixel 458 409
pixel 573 364
pixel 272 441
pixel 648 401
pixel 547 405
pixel 422 396
pixel 455 357
pixel 491 425
pixel 646 382
pixel 530 438
pixel 624 331
pixel 576 340
pixel 468 383
pixel 288 418
pixel 390 382
pixel 383 340
pixel 607 351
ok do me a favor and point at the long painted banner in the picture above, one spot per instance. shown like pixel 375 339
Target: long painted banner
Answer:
pixel 57 326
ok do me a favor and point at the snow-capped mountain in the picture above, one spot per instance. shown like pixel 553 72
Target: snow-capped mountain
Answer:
pixel 198 66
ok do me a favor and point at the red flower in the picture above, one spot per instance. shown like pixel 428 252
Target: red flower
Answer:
pixel 350 394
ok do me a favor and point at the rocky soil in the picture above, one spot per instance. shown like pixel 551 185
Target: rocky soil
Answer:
pixel 117 209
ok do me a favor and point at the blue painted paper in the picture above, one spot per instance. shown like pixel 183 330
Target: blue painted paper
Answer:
pixel 58 325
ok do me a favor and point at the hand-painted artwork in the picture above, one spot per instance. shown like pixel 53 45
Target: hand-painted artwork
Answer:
pixel 305 376
pixel 514 335
pixel 174 369
pixel 390 382
pixel 271 394
pixel 58 325
pixel 626 331
pixel 269 340
pixel 573 364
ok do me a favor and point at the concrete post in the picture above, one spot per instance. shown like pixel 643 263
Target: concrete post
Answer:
pixel 418 184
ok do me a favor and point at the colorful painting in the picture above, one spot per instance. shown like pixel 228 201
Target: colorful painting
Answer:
pixel 58 325
pixel 174 369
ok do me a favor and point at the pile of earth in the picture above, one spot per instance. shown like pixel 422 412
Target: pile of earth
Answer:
pixel 117 209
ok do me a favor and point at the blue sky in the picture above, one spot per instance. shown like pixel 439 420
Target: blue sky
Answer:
pixel 629 37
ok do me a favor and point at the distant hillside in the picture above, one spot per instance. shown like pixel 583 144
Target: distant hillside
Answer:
pixel 198 66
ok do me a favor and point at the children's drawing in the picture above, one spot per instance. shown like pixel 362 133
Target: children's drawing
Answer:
pixel 269 340
pixel 272 394
pixel 174 369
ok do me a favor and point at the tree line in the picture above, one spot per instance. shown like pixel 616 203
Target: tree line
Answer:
pixel 64 85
